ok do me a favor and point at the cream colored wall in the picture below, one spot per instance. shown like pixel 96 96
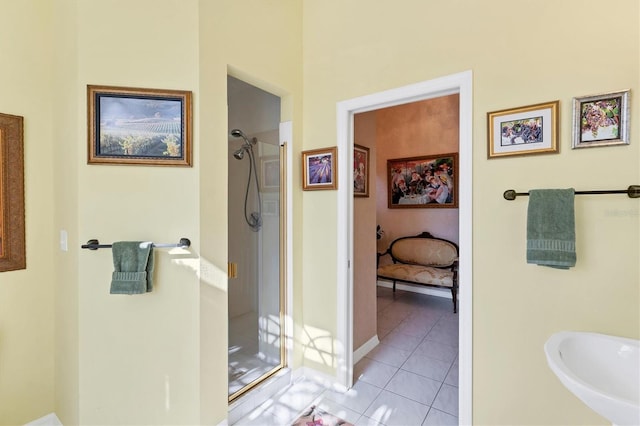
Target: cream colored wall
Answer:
pixel 258 42
pixel 67 133
pixel 157 358
pixel 161 358
pixel 356 48
pixel 26 296
pixel 138 355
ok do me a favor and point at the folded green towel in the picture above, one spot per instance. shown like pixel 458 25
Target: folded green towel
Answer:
pixel 551 234
pixel 133 267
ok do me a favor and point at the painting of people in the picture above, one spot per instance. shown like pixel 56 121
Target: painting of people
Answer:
pixel 429 181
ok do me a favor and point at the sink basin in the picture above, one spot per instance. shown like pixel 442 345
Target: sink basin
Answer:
pixel 603 371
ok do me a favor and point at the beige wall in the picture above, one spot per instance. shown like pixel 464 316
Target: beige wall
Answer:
pixel 146 345
pixel 260 43
pixel 357 48
pixel 161 357
pixel 27 296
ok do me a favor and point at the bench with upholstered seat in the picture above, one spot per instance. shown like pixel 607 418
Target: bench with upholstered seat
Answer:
pixel 422 260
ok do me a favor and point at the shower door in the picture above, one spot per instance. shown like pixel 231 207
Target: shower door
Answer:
pixel 255 294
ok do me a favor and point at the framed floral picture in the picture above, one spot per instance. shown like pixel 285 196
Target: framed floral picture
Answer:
pixel 360 171
pixel 601 120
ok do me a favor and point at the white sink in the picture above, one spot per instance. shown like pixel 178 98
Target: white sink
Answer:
pixel 603 371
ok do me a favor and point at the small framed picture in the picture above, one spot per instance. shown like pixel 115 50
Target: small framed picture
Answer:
pixel 139 126
pixel 319 169
pixel 423 182
pixel 360 171
pixel 525 130
pixel 601 120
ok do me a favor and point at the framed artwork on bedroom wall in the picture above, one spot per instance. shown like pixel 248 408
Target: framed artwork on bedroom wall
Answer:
pixel 361 167
pixel 423 182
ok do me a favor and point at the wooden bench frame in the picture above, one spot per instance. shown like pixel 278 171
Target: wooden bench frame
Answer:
pixel 452 266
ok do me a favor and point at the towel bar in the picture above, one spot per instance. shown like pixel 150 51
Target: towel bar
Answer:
pixel 632 191
pixel 95 244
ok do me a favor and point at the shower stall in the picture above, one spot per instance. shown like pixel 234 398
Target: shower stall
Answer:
pixel 255 295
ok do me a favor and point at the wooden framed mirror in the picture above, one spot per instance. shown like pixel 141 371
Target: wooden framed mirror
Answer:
pixel 12 235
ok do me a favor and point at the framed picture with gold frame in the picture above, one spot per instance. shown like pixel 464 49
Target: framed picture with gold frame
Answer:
pixel 527 130
pixel 360 171
pixel 430 181
pixel 319 169
pixel 12 218
pixel 138 126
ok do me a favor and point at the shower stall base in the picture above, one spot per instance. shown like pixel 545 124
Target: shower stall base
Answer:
pixel 246 362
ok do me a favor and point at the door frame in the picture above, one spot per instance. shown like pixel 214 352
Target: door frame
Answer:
pixel 461 83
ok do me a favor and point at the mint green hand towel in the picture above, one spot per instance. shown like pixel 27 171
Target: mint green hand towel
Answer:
pixel 551 234
pixel 133 267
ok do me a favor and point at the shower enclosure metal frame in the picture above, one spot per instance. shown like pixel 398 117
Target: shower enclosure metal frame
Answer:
pixel 282 265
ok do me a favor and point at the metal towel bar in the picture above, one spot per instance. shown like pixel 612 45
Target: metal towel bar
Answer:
pixel 632 191
pixel 95 244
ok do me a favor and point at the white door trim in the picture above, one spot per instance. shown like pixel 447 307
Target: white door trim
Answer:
pixel 286 140
pixel 456 83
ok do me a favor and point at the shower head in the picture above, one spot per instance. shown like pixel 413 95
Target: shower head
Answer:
pixel 237 133
pixel 239 154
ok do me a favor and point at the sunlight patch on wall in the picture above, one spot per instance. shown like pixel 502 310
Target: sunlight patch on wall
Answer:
pixel 319 346
pixel 206 271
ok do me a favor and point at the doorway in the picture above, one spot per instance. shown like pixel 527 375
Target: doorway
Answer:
pixel 256 276
pixel 457 83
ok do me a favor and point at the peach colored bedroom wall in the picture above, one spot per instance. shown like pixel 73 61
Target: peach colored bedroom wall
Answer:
pixel 421 128
pixel 364 241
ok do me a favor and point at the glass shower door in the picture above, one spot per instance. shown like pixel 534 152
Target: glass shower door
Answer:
pixel 255 300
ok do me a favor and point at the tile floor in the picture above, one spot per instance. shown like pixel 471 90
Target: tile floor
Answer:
pixel 410 378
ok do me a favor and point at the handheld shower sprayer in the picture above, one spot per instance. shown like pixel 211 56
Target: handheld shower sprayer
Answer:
pixel 237 133
pixel 254 220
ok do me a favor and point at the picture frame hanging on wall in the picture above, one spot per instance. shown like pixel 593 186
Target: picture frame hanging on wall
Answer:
pixel 526 130
pixel 12 195
pixel 601 120
pixel 134 126
pixel 319 169
pixel 429 181
pixel 360 171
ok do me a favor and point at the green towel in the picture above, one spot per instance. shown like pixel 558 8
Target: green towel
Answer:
pixel 133 267
pixel 551 234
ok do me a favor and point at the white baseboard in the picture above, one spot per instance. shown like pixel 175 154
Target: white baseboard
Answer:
pixel 417 289
pixel 49 420
pixel 360 353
